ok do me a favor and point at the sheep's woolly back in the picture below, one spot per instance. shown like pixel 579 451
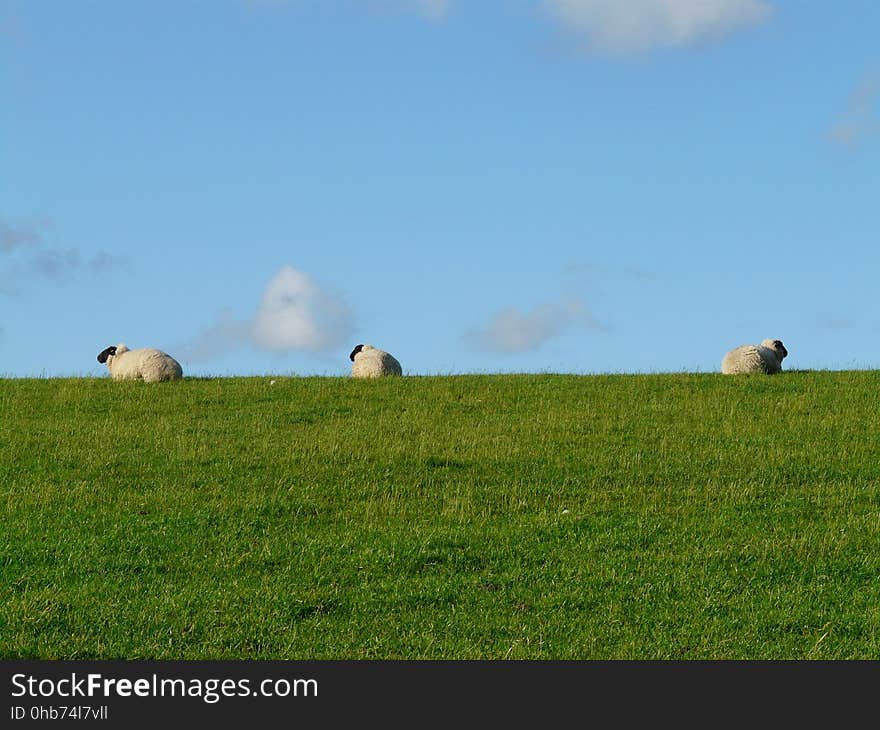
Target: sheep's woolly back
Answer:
pixel 764 358
pixel 147 364
pixel 372 362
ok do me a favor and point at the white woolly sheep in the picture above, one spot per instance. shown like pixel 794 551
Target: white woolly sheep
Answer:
pixel 370 362
pixel 147 364
pixel 764 358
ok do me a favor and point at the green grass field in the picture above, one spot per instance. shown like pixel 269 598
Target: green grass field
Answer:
pixel 459 517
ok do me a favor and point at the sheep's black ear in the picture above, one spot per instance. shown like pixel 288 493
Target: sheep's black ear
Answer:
pixel 104 354
pixel 355 351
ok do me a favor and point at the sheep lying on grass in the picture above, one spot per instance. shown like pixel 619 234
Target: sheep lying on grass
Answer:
pixel 370 362
pixel 147 364
pixel 764 358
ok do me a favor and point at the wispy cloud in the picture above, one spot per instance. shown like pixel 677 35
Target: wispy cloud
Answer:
pixel 28 234
pixel 296 313
pixel 226 335
pixel 611 27
pixel 25 254
pixel 617 27
pixel 60 265
pixel 859 119
pixel 103 261
pixel 511 330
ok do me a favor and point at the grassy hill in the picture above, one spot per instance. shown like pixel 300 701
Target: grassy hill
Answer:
pixel 458 517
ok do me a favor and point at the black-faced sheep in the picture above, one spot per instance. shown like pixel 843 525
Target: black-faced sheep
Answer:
pixel 764 358
pixel 147 364
pixel 370 362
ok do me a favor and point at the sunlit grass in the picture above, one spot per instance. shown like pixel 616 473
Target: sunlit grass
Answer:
pixel 492 516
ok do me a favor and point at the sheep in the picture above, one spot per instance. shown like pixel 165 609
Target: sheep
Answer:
pixel 764 358
pixel 370 362
pixel 147 364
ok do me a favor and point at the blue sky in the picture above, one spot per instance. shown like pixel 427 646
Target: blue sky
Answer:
pixel 580 186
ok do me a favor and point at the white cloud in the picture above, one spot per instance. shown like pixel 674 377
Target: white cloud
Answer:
pixel 619 27
pixel 859 119
pixel 510 330
pixel 296 313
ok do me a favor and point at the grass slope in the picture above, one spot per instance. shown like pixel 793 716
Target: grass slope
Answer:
pixel 461 517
